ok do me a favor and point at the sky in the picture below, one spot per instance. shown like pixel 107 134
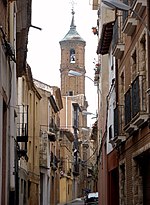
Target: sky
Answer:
pixel 54 17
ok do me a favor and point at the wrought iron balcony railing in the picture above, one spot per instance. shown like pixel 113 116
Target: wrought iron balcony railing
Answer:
pixel 22 123
pixel 54 162
pixel 138 6
pixel 118 40
pixel 22 131
pixel 119 133
pixel 135 103
pixel 128 106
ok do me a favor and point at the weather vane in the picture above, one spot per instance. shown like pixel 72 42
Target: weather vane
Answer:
pixel 72 2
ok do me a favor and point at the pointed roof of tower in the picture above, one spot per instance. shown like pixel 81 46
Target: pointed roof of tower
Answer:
pixel 72 33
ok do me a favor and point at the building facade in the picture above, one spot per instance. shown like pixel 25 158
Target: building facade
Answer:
pixel 124 149
pixel 28 128
pixel 12 65
pixel 50 106
pixel 73 93
pixel 66 165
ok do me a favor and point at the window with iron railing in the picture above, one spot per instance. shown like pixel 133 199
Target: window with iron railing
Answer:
pixel 76 117
pixel 122 174
pixel 125 13
pixel 118 120
pixel 53 161
pixel 76 168
pixel 134 64
pixel 124 16
pixel 22 124
pixel 110 132
pixel 127 106
pixel 54 127
pixel 135 99
pixel 117 32
pixel 132 2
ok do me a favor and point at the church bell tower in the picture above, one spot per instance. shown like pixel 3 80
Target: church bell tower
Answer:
pixel 72 58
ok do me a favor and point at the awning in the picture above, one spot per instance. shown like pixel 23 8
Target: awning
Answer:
pixel 106 38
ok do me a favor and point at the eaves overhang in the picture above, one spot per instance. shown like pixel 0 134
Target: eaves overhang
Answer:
pixel 53 104
pixel 23 25
pixel 59 98
pixel 106 38
pixel 68 133
pixel 75 104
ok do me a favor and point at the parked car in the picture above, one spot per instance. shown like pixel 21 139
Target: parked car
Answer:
pixel 91 198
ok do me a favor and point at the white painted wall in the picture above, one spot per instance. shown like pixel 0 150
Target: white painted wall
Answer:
pixel 111 102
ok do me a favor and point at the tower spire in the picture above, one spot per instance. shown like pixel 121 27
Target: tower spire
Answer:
pixel 72 21
pixel 72 33
pixel 73 12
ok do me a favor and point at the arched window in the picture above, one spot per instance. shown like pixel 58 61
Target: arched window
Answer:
pixel 72 55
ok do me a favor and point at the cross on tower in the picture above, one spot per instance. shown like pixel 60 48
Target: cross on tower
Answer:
pixel 72 2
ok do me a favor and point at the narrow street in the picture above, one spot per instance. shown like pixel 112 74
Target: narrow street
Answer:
pixel 78 201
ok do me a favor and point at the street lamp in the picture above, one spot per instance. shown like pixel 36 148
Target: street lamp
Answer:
pixel 123 7
pixel 75 73
pixel 85 112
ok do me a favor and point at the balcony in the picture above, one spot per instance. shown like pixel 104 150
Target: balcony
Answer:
pixel 94 131
pixel 22 131
pixel 119 134
pixel 117 42
pixel 54 162
pixel 139 111
pixel 130 26
pixel 22 123
pixel 44 150
pixel 135 105
pixel 138 6
pixel 53 129
pixel 96 77
pixel 76 169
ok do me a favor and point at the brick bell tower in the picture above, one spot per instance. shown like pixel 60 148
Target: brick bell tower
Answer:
pixel 72 58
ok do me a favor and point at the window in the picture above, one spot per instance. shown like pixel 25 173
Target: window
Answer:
pixel 110 132
pixel 21 186
pixel 23 90
pixel 70 93
pixel 134 64
pixel 125 13
pixel 72 55
pixel 4 2
pixel 122 178
pixel 142 54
